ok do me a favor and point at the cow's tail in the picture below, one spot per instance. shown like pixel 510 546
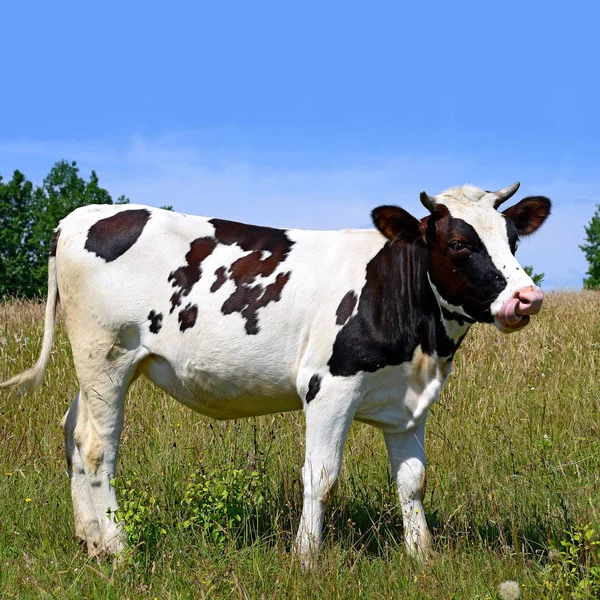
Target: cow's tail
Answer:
pixel 33 377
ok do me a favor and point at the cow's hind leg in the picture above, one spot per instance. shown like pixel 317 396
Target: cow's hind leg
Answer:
pixel 328 420
pixel 93 429
pixel 87 525
pixel 407 457
pixel 97 434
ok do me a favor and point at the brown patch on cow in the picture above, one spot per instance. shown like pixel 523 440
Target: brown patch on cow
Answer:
pixel 327 489
pixel 252 237
pixel 247 268
pixel 240 298
pixel 267 248
pixel 424 368
pixel 273 290
pixel 94 454
pixel 54 242
pixel 247 300
pixel 187 317
pixel 184 278
pixel 445 368
pixel 110 238
pixel 220 280
pixel 344 310
pixel 155 321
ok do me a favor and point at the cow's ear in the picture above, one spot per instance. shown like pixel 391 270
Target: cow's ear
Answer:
pixel 528 214
pixel 397 224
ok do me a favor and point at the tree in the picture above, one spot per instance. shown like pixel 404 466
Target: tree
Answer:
pixel 28 217
pixel 537 278
pixel 16 203
pixel 591 249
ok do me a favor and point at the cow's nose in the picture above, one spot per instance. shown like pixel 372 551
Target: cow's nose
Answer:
pixel 530 301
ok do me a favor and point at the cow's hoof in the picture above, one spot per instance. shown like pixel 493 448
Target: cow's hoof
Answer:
pixel 113 547
pixel 422 555
pixel 306 556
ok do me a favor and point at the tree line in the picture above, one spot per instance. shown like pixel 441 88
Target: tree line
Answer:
pixel 591 249
pixel 29 214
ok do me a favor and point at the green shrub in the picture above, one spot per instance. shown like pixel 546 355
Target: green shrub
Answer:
pixel 575 568
pixel 218 505
pixel 140 515
pixel 221 502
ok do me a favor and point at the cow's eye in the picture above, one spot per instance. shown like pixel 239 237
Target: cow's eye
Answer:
pixel 458 246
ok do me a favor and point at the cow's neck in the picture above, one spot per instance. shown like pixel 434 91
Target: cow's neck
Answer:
pixel 454 318
pixel 410 311
pixel 397 313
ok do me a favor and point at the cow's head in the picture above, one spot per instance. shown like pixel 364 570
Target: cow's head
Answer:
pixel 472 267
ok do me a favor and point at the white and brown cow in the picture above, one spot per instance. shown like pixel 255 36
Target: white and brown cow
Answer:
pixel 238 320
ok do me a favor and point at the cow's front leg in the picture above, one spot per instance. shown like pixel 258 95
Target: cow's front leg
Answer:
pixel 328 419
pixel 407 457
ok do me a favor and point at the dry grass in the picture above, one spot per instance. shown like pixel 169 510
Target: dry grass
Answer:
pixel 514 463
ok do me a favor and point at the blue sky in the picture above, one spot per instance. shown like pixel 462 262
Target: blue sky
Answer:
pixel 311 114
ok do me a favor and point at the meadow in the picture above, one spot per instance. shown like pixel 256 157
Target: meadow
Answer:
pixel 211 508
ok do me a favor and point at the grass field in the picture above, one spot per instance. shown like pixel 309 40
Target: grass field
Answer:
pixel 513 470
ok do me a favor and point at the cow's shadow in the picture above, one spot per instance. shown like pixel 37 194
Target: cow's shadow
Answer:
pixel 373 529
pixel 490 534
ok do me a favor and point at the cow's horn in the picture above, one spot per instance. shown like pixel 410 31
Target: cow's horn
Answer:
pixel 505 194
pixel 427 201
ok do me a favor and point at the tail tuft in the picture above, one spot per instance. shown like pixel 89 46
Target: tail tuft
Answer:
pixel 27 381
pixel 32 378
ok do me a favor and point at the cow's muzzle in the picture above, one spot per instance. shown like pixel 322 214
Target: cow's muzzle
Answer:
pixel 515 312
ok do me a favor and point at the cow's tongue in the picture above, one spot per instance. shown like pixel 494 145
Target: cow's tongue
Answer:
pixel 508 316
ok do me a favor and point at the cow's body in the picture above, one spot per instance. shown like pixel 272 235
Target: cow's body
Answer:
pixel 214 365
pixel 236 320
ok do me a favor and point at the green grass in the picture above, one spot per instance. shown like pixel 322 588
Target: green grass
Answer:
pixel 513 453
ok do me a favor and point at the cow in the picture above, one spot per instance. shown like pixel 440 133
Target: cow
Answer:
pixel 237 320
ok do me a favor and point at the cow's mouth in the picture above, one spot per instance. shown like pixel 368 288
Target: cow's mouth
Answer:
pixel 515 312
